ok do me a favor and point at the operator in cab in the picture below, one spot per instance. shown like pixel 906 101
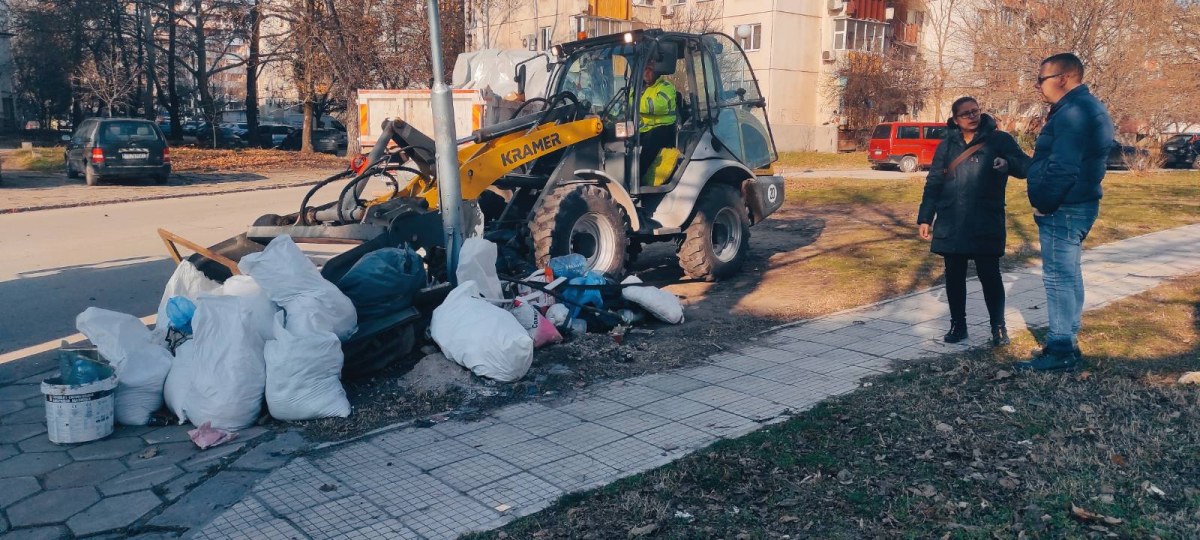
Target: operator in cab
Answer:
pixel 656 112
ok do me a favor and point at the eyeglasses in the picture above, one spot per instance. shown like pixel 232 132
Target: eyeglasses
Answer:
pixel 973 113
pixel 1041 80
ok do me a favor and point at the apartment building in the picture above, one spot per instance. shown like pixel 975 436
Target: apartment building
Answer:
pixel 794 46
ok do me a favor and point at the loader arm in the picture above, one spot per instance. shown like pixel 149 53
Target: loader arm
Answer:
pixel 482 164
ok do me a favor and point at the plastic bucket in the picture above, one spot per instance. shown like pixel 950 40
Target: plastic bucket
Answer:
pixel 78 413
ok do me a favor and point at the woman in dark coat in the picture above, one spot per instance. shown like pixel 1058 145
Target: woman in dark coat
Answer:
pixel 963 204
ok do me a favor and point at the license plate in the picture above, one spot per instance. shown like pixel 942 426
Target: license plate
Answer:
pixel 135 156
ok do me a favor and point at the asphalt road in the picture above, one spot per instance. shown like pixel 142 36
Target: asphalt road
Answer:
pixel 56 263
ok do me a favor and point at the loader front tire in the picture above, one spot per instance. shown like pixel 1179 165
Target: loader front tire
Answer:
pixel 583 219
pixel 715 244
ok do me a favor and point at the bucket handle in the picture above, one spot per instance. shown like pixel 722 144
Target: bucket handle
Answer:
pixel 170 239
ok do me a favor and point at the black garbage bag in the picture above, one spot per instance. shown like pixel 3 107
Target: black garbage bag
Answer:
pixel 383 282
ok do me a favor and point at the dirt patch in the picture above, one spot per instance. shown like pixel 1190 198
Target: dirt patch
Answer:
pixel 958 447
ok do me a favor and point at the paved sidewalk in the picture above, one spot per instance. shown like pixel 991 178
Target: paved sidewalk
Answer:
pixel 456 477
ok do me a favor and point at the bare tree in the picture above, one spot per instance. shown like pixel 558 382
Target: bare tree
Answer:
pixel 697 18
pixel 105 82
pixel 870 87
pixel 945 24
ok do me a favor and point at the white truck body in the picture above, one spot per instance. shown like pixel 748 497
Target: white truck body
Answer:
pixel 482 79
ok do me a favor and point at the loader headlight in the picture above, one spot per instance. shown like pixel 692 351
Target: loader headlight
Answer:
pixel 624 130
pixel 628 37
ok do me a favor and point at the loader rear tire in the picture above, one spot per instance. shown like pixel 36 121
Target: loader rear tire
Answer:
pixel 583 219
pixel 715 244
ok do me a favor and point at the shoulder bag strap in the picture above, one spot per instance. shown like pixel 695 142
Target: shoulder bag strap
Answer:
pixel 963 157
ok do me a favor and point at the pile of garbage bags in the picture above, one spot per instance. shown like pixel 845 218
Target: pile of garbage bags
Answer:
pixel 218 352
pixel 275 333
pixel 492 327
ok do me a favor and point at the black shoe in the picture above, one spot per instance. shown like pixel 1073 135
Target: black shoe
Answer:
pixel 957 333
pixel 1000 336
pixel 1050 361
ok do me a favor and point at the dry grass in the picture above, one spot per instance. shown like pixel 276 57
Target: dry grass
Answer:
pixel 823 161
pixel 36 159
pixel 929 451
pixel 187 159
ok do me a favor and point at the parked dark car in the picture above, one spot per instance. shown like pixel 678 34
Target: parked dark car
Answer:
pixel 226 138
pixel 104 148
pixel 272 135
pixel 329 141
pixel 1124 156
pixel 1182 151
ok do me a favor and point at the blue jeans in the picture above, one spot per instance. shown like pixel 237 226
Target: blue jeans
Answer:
pixel 1062 234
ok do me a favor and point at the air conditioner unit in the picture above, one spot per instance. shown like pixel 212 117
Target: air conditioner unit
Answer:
pixel 529 42
pixel 837 5
pixel 827 56
pixel 668 11
pixel 889 14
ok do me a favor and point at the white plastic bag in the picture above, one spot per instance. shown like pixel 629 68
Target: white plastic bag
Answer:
pixel 140 362
pixel 536 297
pixel 179 380
pixel 539 328
pixel 290 279
pixel 188 282
pixel 260 309
pixel 481 337
pixel 304 375
pixel 663 305
pixel 228 373
pixel 477 262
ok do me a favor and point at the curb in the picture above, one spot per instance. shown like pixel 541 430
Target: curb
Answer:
pixel 151 198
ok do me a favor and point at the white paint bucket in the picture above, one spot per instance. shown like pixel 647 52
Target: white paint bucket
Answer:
pixel 80 412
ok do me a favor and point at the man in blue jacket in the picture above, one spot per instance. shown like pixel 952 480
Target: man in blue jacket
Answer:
pixel 1064 188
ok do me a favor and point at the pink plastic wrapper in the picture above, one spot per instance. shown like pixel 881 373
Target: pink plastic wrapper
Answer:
pixel 539 327
pixel 207 436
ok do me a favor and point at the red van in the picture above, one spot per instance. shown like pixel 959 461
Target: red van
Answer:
pixel 907 145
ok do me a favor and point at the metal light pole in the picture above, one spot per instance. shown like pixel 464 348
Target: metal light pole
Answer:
pixel 449 187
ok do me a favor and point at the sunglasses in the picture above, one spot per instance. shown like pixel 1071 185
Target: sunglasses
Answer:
pixel 973 113
pixel 1041 80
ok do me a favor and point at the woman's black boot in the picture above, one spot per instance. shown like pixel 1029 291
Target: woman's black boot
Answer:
pixel 957 333
pixel 999 336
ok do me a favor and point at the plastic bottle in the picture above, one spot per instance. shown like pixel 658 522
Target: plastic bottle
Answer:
pixel 569 266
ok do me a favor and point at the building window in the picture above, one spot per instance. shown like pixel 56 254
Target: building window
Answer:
pixel 545 37
pixel 678 2
pixel 859 35
pixel 754 41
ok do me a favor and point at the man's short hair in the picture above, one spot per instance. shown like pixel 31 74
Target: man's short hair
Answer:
pixel 1066 63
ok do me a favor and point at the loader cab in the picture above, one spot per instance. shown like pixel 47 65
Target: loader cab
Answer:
pixel 719 108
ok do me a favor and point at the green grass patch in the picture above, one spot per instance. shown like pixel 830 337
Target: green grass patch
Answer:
pixel 36 159
pixel 823 160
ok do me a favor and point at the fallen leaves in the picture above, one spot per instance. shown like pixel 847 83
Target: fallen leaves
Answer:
pixel 644 530
pixel 149 452
pixel 1092 517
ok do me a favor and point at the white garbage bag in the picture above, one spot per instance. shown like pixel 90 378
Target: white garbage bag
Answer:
pixel 179 380
pixel 140 362
pixel 261 310
pixel 228 372
pixel 188 282
pixel 663 305
pixel 480 336
pixel 477 262
pixel 290 279
pixel 304 375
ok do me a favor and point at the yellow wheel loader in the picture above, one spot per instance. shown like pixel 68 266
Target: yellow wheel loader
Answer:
pixel 565 174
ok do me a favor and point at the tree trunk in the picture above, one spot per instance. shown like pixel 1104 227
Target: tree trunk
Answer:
pixel 306 136
pixel 148 33
pixel 252 79
pixel 352 145
pixel 173 107
pixel 201 73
